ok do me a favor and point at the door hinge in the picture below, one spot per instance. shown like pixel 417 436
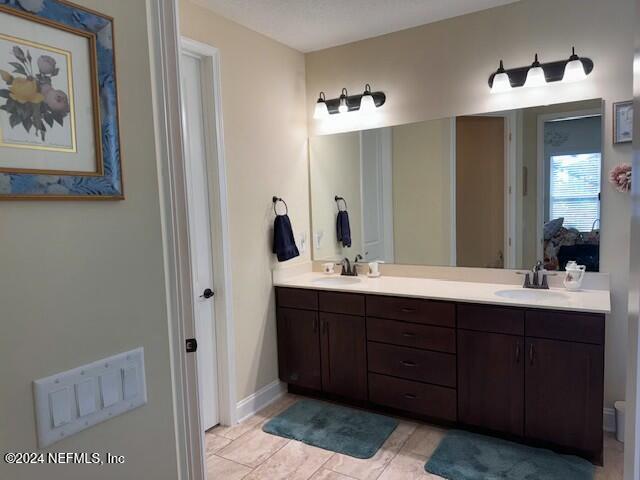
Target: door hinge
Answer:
pixel 191 344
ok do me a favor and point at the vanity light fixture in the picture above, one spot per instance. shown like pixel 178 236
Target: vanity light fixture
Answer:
pixel 535 75
pixel 574 69
pixel 501 81
pixel 365 102
pixel 538 74
pixel 321 110
pixel 343 107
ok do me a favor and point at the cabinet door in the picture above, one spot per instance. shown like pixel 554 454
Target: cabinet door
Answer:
pixel 344 355
pixel 491 381
pixel 564 389
pixel 299 347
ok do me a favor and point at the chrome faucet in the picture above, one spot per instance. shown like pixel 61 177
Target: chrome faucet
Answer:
pixel 539 279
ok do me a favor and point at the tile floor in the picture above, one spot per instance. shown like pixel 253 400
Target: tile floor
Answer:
pixel 244 451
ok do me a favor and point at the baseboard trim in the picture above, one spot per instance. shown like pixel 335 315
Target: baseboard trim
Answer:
pixel 262 398
pixel 609 419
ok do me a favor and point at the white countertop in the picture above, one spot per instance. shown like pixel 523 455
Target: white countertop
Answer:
pixel 594 301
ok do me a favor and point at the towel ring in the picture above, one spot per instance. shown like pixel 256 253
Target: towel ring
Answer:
pixel 337 199
pixel 275 203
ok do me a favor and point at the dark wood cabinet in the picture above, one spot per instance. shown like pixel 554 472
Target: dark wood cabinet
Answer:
pixel 344 355
pixel 522 372
pixel 413 364
pixel 564 385
pixel 491 381
pixel 299 347
pixel 423 399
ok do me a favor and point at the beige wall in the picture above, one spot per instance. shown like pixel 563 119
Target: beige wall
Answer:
pixel 334 168
pixel 422 193
pixel 265 135
pixel 83 280
pixel 441 70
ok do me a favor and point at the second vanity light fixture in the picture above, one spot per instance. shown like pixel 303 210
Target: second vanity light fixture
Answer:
pixel 365 102
pixel 537 74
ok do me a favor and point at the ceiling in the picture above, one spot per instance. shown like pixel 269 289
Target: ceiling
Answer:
pixel 309 25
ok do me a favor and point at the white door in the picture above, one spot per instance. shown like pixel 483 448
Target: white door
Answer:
pixel 200 233
pixel 377 199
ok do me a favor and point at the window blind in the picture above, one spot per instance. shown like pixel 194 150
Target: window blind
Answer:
pixel 574 190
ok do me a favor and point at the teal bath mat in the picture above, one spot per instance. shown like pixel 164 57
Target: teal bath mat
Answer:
pixel 332 427
pixel 467 456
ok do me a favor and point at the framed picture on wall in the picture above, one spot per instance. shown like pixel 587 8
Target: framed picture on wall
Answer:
pixel 59 136
pixel 623 122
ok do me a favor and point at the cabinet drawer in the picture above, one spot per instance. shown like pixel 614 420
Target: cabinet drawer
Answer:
pixel 420 398
pixel 412 310
pixel 412 364
pixel 487 318
pixel 441 339
pixel 574 327
pixel 337 302
pixel 297 298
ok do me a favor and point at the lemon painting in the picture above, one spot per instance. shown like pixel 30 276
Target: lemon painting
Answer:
pixel 36 109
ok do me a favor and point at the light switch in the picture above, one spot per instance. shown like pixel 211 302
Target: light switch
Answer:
pixel 86 397
pixel 110 388
pixel 129 382
pixel 71 401
pixel 60 402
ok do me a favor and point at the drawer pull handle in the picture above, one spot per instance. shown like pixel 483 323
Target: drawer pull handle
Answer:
pixel 407 363
pixel 407 310
pixel 410 396
pixel 408 334
pixel 532 354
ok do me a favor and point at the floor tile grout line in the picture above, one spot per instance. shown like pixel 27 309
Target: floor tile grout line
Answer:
pixel 402 445
pixel 323 463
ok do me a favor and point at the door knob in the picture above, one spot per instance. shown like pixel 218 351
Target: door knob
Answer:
pixel 208 293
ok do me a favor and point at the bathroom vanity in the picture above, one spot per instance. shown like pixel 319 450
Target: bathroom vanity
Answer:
pixel 480 196
pixel 456 353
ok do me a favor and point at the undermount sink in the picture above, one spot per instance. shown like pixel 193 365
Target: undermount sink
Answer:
pixel 530 295
pixel 336 281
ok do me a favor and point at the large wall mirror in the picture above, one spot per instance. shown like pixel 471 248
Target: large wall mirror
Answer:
pixel 496 190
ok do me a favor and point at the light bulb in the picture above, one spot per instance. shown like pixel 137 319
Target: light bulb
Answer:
pixel 574 72
pixel 501 82
pixel 535 75
pixel 343 108
pixel 321 110
pixel 574 69
pixel 367 105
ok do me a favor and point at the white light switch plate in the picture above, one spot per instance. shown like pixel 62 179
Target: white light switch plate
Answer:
pixel 71 401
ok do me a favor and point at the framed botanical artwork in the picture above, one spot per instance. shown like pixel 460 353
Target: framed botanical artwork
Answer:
pixel 59 134
pixel 623 122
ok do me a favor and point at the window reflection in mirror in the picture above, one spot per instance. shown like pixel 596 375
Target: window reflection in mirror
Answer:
pixel 498 190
